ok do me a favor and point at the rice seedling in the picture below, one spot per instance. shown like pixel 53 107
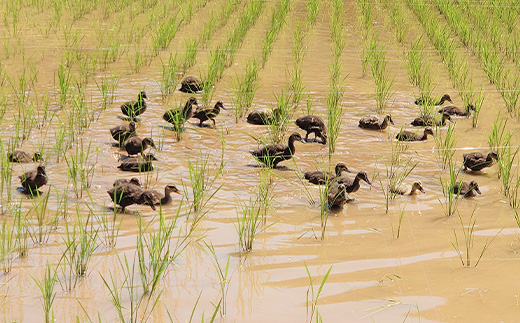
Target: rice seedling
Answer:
pixel 296 86
pixel 313 296
pixel 451 200
pixel 506 158
pixel 334 107
pixel 7 246
pixel 312 12
pixel 415 60
pixel 445 146
pixel 509 90
pixel 398 21
pixel 21 227
pixel 277 22
pixel 40 233
pixel 281 117
pixel 64 83
pixel 165 33
pixel 365 19
pixel 222 277
pixel 400 222
pixel 478 106
pixel 81 168
pixel 46 287
pixel 191 46
pixel 324 207
pixel 248 224
pixel 498 137
pixel 244 89
pixel 202 185
pixel 468 231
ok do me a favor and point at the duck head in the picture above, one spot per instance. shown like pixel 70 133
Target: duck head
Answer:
pixel 340 167
pixel 296 136
pixel 38 157
pixel 170 188
pixel 389 118
pixel 428 131
pixel 135 181
pixel 220 105
pixel 364 176
pixel 142 95
pixel 417 185
pixel 445 97
pixel 474 186
pixel 149 142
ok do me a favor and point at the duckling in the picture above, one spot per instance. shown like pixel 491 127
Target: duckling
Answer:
pixel 166 198
pixel 465 189
pixel 20 156
pixel 320 177
pixel 191 84
pixel 124 181
pixel 374 122
pixel 428 100
pixel 137 164
pixel 128 194
pixel 263 117
pixel 408 190
pixel 207 113
pixel 456 111
pixel 313 124
pixel 34 179
pixel 430 121
pixel 136 145
pixel 179 116
pixel 477 161
pixel 271 155
pixel 337 196
pixel 352 184
pixel 405 135
pixel 123 132
pixel 134 108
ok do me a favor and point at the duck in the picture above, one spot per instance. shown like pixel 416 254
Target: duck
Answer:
pixel 466 189
pixel 207 113
pixel 477 161
pixel 138 165
pixel 134 108
pixel 430 121
pixel 123 132
pixel 190 84
pixel 179 116
pixel 374 122
pixel 136 145
pixel 271 155
pixel 20 156
pixel 353 184
pixel 320 177
pixel 405 135
pixel 34 179
pixel 456 111
pixel 313 124
pixel 263 117
pixel 408 190
pixel 429 100
pixel 337 196
pixel 163 199
pixel 124 181
pixel 128 194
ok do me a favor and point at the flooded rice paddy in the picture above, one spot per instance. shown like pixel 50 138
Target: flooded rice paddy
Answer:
pixel 407 264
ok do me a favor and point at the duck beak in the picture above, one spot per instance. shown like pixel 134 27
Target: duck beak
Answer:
pixel 177 192
pixel 368 181
pixel 153 207
pixel 477 190
pixel 422 190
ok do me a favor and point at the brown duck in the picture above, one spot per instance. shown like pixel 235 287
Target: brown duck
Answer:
pixel 34 179
pixel 271 155
pixel 138 164
pixel 190 84
pixel 374 122
pixel 134 108
pixel 313 124
pixel 166 198
pixel 124 181
pixel 337 196
pixel 320 177
pixel 405 135
pixel 429 101
pixel 136 145
pixel 20 156
pixel 466 189
pixel 129 194
pixel 177 117
pixel 207 113
pixel 123 132
pixel 477 161
pixel 353 184
pixel 263 117
pixel 429 121
pixel 456 111
pixel 408 190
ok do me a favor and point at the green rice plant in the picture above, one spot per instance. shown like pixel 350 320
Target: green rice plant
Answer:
pixel 64 83
pixel 81 168
pixel 296 86
pixel 383 84
pixel 506 160
pixel 334 107
pixel 415 60
pixel 400 222
pixel 223 278
pixel 40 232
pixel 277 22
pixel 169 77
pixel 244 89
pixel 248 224
pixel 478 106
pixel 165 33
pixel 368 50
pixel 203 188
pixel 398 21
pixel 324 207
pixel 313 7
pixel 265 193
pixel 6 178
pixel 445 146
pixel 191 46
pixel 365 6
pixel 468 231
pixel 498 137
pixel 21 226
pixel 451 200
pixel 509 90
pixel 46 287
pixel 80 241
pixel 7 246
pixel 281 117
pixel 313 296
pixel 140 305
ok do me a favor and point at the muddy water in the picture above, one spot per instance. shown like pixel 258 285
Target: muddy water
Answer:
pixel 374 275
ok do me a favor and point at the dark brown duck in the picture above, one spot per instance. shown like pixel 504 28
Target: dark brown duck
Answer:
pixel 191 84
pixel 374 122
pixel 138 164
pixel 319 177
pixel 34 179
pixel 134 108
pixel 123 132
pixel 429 121
pixel 179 116
pixel 466 189
pixel 262 117
pixel 271 155
pixel 430 101
pixel 477 161
pixel 128 194
pixel 136 145
pixel 20 156
pixel 456 111
pixel 166 198
pixel 208 113
pixel 406 135
pixel 313 124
